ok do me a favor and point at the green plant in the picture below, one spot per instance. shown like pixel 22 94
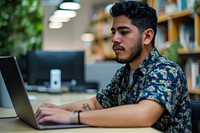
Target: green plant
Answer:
pixel 20 26
pixel 172 52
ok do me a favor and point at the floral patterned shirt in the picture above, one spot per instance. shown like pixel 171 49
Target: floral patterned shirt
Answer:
pixel 156 79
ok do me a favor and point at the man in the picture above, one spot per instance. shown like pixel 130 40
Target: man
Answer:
pixel 148 91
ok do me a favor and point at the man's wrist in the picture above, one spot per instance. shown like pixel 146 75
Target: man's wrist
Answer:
pixel 71 117
pixel 77 112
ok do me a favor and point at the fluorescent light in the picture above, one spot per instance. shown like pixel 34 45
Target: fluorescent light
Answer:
pixel 65 13
pixel 87 37
pixel 70 6
pixel 55 18
pixel 55 25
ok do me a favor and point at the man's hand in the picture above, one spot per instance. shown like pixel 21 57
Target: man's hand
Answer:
pixel 51 113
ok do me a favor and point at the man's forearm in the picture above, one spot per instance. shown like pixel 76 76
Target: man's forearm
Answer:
pixel 133 115
pixel 111 117
pixel 85 105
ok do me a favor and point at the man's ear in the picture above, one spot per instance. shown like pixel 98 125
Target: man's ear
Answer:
pixel 148 36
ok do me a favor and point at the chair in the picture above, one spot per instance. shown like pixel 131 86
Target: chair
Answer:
pixel 195 116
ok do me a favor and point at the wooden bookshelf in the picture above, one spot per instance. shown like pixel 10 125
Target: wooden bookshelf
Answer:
pixel 195 94
pixel 171 21
pixel 197 28
pixel 162 18
pixel 183 13
pixel 189 51
pixel 194 91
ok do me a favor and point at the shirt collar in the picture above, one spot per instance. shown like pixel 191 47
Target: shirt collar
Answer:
pixel 147 63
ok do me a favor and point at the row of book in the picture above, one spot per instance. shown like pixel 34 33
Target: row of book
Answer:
pixel 161 41
pixel 185 4
pixel 186 36
pixel 165 7
pixel 101 29
pixel 192 71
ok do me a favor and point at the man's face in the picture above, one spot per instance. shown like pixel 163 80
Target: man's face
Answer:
pixel 127 43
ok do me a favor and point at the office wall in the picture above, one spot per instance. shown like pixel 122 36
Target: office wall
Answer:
pixel 101 72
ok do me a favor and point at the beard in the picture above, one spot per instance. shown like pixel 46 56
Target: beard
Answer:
pixel 135 53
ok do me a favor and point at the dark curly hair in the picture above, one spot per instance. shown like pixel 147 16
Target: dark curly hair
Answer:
pixel 141 15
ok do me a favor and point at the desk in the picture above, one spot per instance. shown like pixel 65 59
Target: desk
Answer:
pixel 9 125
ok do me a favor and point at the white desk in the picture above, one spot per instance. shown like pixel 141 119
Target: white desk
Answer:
pixel 9 125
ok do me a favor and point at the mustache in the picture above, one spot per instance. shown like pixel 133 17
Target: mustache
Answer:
pixel 117 47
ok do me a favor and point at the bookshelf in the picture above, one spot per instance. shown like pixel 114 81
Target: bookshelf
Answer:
pixel 101 24
pixel 177 20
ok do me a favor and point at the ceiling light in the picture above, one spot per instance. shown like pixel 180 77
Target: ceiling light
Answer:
pixel 70 6
pixel 54 25
pixel 65 13
pixel 55 18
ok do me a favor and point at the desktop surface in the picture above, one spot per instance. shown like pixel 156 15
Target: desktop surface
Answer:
pixel 13 124
pixel 16 125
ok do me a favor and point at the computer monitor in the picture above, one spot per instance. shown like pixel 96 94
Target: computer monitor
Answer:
pixel 71 64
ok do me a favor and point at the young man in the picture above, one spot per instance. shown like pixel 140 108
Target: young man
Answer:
pixel 148 91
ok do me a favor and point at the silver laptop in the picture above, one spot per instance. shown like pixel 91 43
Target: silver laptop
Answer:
pixel 15 85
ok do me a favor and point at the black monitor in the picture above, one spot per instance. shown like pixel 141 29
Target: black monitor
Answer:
pixel 71 64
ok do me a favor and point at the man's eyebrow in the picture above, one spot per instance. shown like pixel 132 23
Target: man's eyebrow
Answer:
pixel 119 28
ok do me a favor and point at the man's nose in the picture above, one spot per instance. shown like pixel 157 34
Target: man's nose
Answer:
pixel 116 38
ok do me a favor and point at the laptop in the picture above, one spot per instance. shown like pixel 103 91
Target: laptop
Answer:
pixel 16 88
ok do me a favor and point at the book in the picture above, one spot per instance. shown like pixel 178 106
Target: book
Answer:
pixel 160 6
pixel 161 40
pixel 192 71
pixel 186 36
pixel 185 4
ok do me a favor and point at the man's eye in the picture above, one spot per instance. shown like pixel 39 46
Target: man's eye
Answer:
pixel 124 32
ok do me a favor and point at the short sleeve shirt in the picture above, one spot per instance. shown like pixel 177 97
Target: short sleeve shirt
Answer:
pixel 158 79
